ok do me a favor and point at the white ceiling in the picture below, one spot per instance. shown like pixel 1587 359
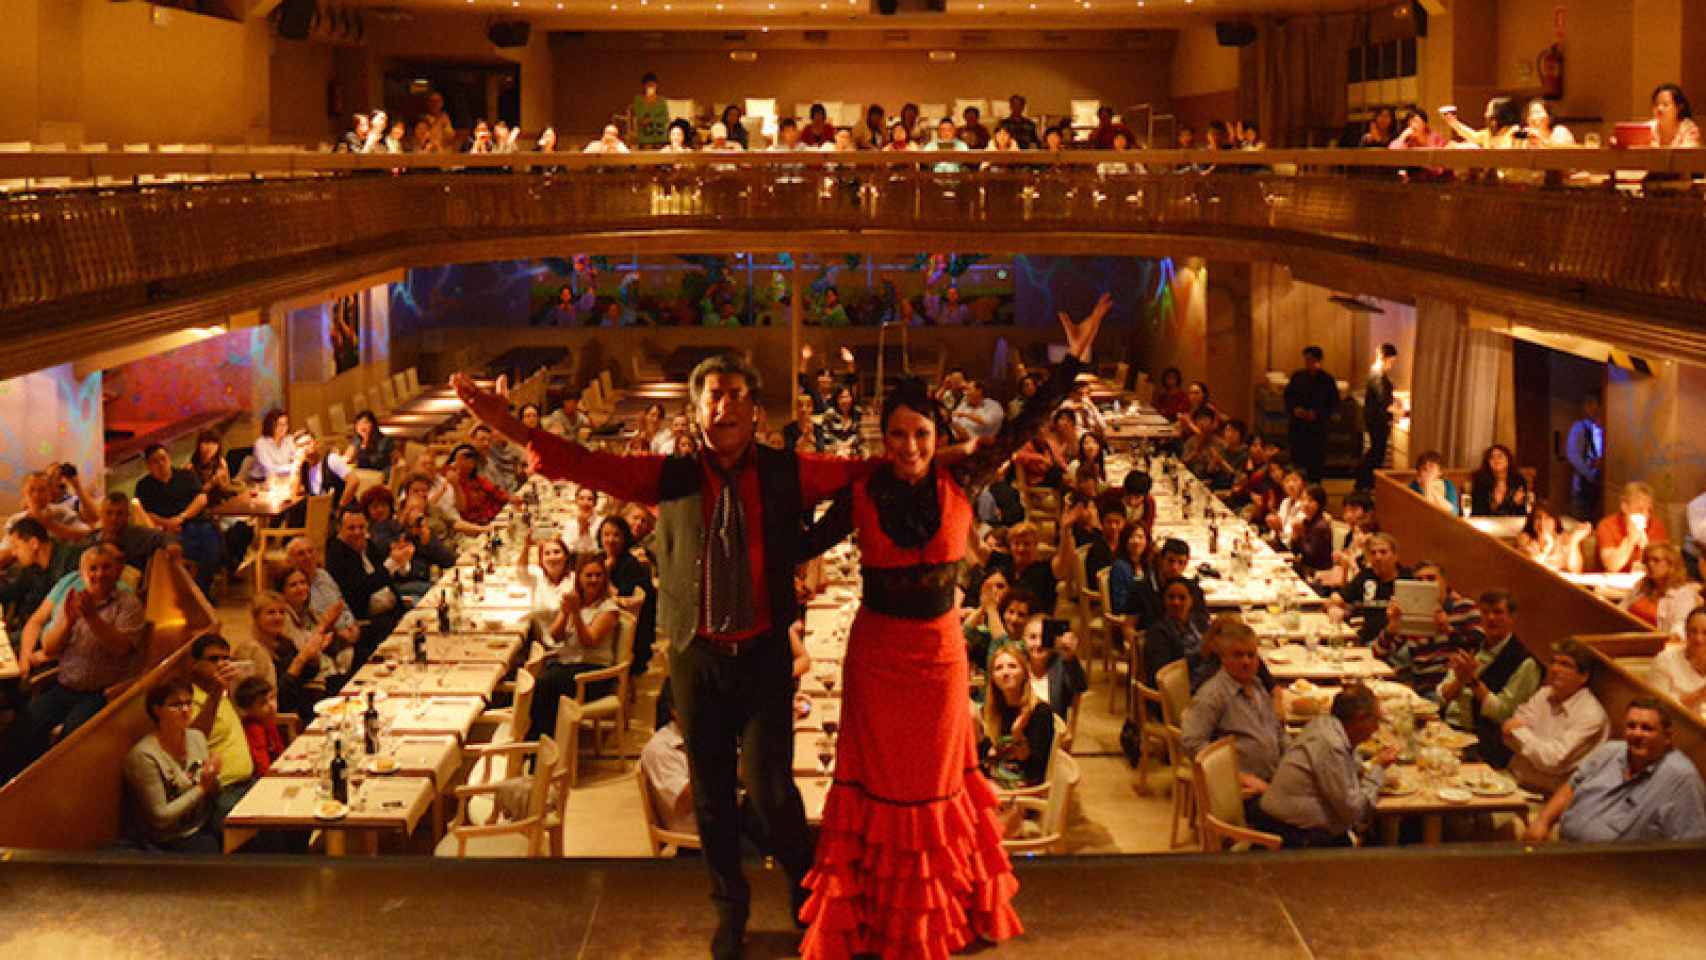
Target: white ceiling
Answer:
pixel 857 14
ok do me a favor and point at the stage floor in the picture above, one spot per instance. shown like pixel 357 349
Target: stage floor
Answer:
pixel 1493 902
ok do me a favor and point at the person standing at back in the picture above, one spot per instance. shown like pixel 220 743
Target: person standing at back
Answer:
pixel 1585 449
pixel 1310 398
pixel 1377 414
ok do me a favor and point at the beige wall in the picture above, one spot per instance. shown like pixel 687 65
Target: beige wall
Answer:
pixel 1201 65
pixel 300 74
pixel 183 82
pixel 19 74
pixel 593 84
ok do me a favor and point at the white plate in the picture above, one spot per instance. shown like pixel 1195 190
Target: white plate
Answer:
pixel 330 810
pixel 1278 656
pixel 1455 795
pixel 375 766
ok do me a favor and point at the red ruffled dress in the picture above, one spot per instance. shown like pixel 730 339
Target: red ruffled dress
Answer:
pixel 909 860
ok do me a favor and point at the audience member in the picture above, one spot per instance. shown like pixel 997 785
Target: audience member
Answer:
pixel 1679 671
pixel 1312 543
pixel 1496 489
pixel 1487 685
pixel 1177 633
pixel 1378 411
pixel 1665 595
pixel 1434 486
pixel 1021 128
pixel 1320 793
pixel 170 778
pixel 1132 569
pixel 1170 399
pixel 1032 571
pixel 1673 118
pixel 1017 733
pixel 1311 396
pixel 276 450
pixel 978 414
pixel 999 619
pixel 258 707
pixel 1368 594
pixel 1554 729
pixel 135 543
pixel 1544 540
pixel 501 462
pixel 476 499
pixel 1624 535
pixel 1423 659
pixel 664 761
pixel 174 501
pixel 972 130
pixel 26 583
pixel 323 600
pixel 364 577
pixel 1233 703
pixel 215 676
pixel 60 521
pixel 580 530
pixel 1052 663
pixel 581 639
pixel 1110 534
pixel 1634 790
pixel 650 115
pixel 295 660
pixel 96 634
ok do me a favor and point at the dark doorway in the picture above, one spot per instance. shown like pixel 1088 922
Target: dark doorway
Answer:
pixel 471 91
pixel 1550 385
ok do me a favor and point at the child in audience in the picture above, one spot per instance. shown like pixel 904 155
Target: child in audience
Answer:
pixel 257 704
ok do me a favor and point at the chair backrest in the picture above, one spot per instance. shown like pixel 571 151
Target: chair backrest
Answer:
pixel 681 109
pixel 1174 683
pixel 625 629
pixel 358 403
pixel 606 384
pixel 414 377
pixel 312 421
pixel 521 705
pixel 1084 112
pixel 1216 773
pixel 1061 784
pixel 318 520
pixel 568 754
pixel 851 115
pixel 400 386
pixel 340 423
pixel 660 836
pixel 387 393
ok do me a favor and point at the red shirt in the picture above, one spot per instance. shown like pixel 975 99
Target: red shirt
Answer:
pixel 1613 530
pixel 265 744
pixel 636 478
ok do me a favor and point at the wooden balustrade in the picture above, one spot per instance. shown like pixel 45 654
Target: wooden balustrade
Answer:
pixel 72 798
pixel 71 254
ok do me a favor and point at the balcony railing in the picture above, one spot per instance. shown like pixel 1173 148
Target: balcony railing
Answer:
pixel 117 231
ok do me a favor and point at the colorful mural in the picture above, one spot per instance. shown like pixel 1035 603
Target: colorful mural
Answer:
pixel 48 416
pixel 236 371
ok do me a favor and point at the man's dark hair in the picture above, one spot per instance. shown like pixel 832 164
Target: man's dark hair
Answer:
pixel 1388 350
pixel 1238 425
pixel 648 78
pixel 1317 493
pixel 1173 546
pixel 478 428
pixel 1137 484
pixel 118 498
pixel 1361 499
pixel 1492 598
pixel 1314 351
pixel 1020 595
pixel 1653 704
pixel 148 451
pixel 1355 702
pixel 729 365
pixel 1111 501
pixel 1580 654
pixel 199 647
pixel 27 528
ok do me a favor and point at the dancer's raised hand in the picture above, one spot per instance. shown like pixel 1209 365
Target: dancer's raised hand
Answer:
pixel 1081 335
pixel 488 408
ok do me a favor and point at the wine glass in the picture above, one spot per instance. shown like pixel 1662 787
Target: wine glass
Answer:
pixel 825 754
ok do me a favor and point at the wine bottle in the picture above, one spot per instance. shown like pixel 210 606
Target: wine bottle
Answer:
pixel 443 613
pixel 420 643
pixel 340 773
pixel 370 726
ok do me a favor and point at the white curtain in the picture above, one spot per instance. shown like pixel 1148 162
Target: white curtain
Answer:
pixel 1461 386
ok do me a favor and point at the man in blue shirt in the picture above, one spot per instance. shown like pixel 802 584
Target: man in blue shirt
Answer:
pixel 1585 448
pixel 1634 790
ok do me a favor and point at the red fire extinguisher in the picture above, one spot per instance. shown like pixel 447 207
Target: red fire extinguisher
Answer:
pixel 1550 66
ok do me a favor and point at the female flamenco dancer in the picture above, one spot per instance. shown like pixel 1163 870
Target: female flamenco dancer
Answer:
pixel 909 861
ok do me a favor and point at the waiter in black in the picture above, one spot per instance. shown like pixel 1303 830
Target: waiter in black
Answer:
pixel 1377 399
pixel 728 540
pixel 1310 399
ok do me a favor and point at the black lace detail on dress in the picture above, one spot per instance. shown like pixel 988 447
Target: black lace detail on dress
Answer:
pixel 923 591
pixel 909 513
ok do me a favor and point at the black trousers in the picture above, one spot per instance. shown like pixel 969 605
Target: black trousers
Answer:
pixel 557 680
pixel 1309 450
pixel 736 714
pixel 1374 458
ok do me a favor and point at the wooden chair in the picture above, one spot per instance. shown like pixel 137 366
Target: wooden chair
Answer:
pixel 358 403
pixel 611 708
pixel 507 724
pixel 563 775
pixel 315 430
pixel 1042 789
pixel 413 376
pixel 1111 625
pixel 1174 683
pixel 387 395
pixel 340 423
pixel 512 834
pixel 400 388
pixel 1220 802
pixel 316 525
pixel 1051 809
pixel 665 842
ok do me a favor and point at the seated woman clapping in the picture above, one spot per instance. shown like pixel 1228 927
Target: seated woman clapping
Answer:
pixel 170 779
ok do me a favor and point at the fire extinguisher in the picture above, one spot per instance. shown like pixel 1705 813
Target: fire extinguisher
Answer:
pixel 1550 66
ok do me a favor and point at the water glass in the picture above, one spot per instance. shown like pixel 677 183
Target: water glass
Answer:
pixel 357 786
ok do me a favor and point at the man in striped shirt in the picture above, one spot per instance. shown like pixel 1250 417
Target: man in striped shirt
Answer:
pixel 1422 661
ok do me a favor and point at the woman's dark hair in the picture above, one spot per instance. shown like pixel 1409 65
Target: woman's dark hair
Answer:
pixel 835 398
pixel 724 117
pixel 1206 393
pixel 270 421
pixel 1684 110
pixel 206 436
pixel 1433 457
pixel 1172 372
pixel 284 578
pixel 686 131
pixel 1540 508
pixel 1484 473
pixel 379 494
pixel 1063 414
pixel 462 448
pixel 1506 113
pixel 1181 582
pixel 158 694
pixel 914 394
pixel 370 417
pixel 1317 493
pixel 250 692
pixel 622 527
pixel 1137 484
pixel 818 110
pixel 1098 464
pixel 536 409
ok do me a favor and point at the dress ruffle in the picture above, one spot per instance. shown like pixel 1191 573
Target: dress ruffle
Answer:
pixel 908 881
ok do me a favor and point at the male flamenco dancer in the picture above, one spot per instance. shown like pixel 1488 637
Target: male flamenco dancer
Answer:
pixel 728 540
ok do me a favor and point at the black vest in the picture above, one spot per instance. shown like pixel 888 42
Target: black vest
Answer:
pixel 680 538
pixel 1495 676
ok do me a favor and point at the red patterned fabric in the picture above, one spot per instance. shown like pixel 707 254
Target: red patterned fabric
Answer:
pixel 909 861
